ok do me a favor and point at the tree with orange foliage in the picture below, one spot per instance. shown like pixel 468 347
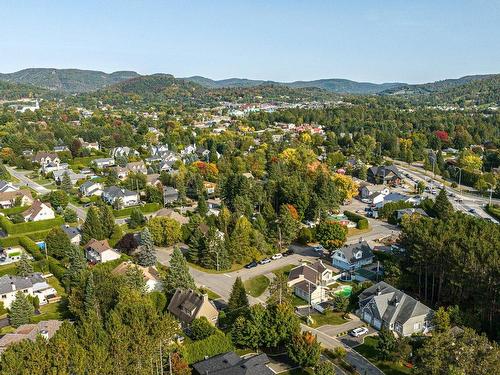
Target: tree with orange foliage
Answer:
pixel 179 365
pixel 304 349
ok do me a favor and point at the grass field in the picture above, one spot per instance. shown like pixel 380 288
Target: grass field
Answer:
pixel 369 350
pixel 329 318
pixel 48 312
pixel 257 285
pixel 286 269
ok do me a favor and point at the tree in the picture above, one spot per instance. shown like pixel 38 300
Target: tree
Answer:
pixel 58 199
pixel 304 349
pixel 136 218
pixel 386 345
pixel 324 368
pixel 279 291
pixel 58 243
pixel 214 253
pixel 66 184
pixel 70 215
pixel 92 227
pixel 127 244
pixel 442 207
pixel 201 328
pixel 238 301
pixel 420 187
pixel 341 303
pixel 202 205
pixel 288 224
pixel 441 320
pixel 107 220
pixel 348 189
pixel 178 275
pixel 24 267
pixel 165 231
pixel 77 264
pixel 21 310
pixel 90 300
pixel 147 254
pixel 331 235
pixel 134 279
pixel 179 365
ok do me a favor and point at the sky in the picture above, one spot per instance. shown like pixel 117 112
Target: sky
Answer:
pixel 282 40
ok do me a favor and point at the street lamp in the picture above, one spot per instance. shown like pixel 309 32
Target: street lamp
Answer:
pixel 459 178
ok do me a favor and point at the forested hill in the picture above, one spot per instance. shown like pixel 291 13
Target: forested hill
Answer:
pixel 67 80
pixel 12 91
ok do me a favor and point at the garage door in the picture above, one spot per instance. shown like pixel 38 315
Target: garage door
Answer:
pixel 377 323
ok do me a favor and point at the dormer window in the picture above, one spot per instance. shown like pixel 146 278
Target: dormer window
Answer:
pixel 358 255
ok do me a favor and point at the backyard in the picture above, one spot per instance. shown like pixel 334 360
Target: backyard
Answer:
pixel 256 285
pixel 369 350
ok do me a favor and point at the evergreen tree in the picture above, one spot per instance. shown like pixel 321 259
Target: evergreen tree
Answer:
pixel 202 205
pixel 178 275
pixel 77 264
pixel 147 252
pixel 197 245
pixel 24 267
pixel 92 227
pixel 21 310
pixel 70 215
pixel 58 243
pixel 214 254
pixel 386 345
pixel 66 184
pixel 442 207
pixel 107 220
pixel 136 218
pixel 134 278
pixel 288 225
pixel 90 300
pixel 238 301
pixel 279 291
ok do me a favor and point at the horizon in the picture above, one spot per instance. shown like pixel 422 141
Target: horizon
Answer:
pixel 279 41
pixel 252 79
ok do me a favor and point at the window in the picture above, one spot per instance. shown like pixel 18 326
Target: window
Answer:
pixel 4 296
pixel 416 326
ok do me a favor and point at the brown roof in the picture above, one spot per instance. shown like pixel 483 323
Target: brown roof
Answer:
pixel 30 331
pixel 43 154
pixel 11 195
pixel 98 246
pixel 188 305
pixel 35 209
pixel 150 273
pixel 309 273
pixel 170 213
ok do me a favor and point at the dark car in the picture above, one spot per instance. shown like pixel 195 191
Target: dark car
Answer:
pixel 251 265
pixel 288 252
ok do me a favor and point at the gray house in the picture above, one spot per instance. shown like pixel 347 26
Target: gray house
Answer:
pixel 170 195
pixel 384 306
pixel 352 257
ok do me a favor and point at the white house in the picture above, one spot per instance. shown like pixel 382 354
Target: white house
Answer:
pixel 7 187
pixel 89 145
pixel 44 158
pixel 366 191
pixel 128 197
pixel 74 177
pixel 310 281
pixel 100 252
pixel 352 257
pixel 10 198
pixel 103 162
pixel 73 234
pixel 38 211
pixel 33 285
pixel 90 188
pixel 123 151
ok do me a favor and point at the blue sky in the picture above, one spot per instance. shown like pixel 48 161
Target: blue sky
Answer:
pixel 377 41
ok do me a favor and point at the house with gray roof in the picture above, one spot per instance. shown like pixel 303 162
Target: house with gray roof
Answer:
pixel 353 256
pixel 232 364
pixel 310 281
pixel 73 234
pixel 46 329
pixel 33 285
pixel 127 197
pixel 90 188
pixel 384 174
pixel 103 162
pixel 384 306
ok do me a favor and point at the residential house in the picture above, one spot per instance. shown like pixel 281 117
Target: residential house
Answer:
pixel 100 252
pixel 170 195
pixel 62 148
pixel 188 150
pixel 90 188
pixel 384 306
pixel 153 180
pixel 384 174
pixel 53 167
pixel 38 211
pixel 73 233
pixel 352 257
pixel 137 167
pixel 232 364
pixel 45 158
pixel 367 191
pixel 7 187
pixel 310 281
pixel 171 214
pixel 159 150
pixel 391 197
pixel 210 187
pixel 410 212
pixel 103 162
pixel 121 172
pixel 128 197
pixel 89 145
pixel 74 177
pixel 167 165
pixel 46 329
pixel 151 276
pixel 123 151
pixel 21 197
pixel 33 285
pixel 187 305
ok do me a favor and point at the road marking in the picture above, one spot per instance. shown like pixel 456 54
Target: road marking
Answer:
pixel 227 275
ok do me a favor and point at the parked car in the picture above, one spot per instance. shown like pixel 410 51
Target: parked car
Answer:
pixel 288 252
pixel 277 256
pixel 265 261
pixel 251 265
pixel 318 248
pixel 356 332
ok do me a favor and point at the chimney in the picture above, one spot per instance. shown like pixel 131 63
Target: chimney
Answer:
pixel 45 334
pixel 396 301
pixel 13 286
pixel 378 291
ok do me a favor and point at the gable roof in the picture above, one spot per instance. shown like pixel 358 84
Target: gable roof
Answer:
pixel 88 184
pixel 150 273
pixel 11 195
pixel 9 282
pixel 350 250
pixel 392 305
pixel 98 246
pixel 117 192
pixel 71 232
pixel 186 305
pixel 311 272
pixel 384 170
pixel 30 331
pixel 35 209
pixel 232 364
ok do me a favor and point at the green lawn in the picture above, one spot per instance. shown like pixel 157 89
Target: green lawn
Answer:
pixel 298 371
pixel 330 317
pixel 256 285
pixel 285 269
pixel 8 269
pixel 48 312
pixel 211 294
pixel 369 350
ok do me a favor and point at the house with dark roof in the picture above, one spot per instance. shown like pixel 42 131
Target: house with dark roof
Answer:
pixel 384 174
pixel 6 187
pixel 73 234
pixel 33 285
pixel 187 305
pixel 127 197
pixel 90 188
pixel 45 158
pixel 170 195
pixel 384 306
pixel 310 281
pixel 352 257
pixel 232 364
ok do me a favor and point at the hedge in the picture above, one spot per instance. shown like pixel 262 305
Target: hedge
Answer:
pixel 14 210
pixel 493 210
pixel 361 221
pixel 216 344
pixel 145 209
pixel 30 226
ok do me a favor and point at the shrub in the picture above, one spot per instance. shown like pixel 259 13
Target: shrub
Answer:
pixel 56 269
pixel 216 344
pixel 305 235
pixel 31 226
pixel 201 328
pixel 361 221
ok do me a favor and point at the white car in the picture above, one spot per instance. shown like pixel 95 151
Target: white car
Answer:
pixel 277 256
pixel 356 332
pixel 318 248
pixel 265 261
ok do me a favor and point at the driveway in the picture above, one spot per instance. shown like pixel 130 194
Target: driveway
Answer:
pixel 338 329
pixel 352 342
